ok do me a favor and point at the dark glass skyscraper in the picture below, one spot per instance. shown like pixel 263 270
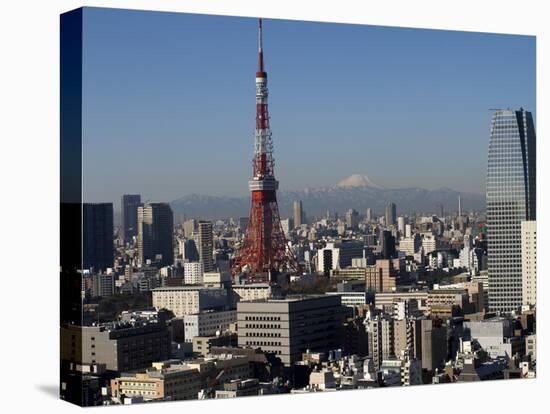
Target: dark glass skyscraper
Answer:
pixel 511 199
pixel 97 226
pixel 130 204
pixel 391 214
pixel 156 233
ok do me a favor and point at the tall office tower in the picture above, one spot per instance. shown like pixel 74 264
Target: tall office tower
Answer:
pixel 156 233
pixel 298 214
pixel 288 225
pixel 529 262
pixel 264 249
pixel 189 227
pixel 408 230
pixel 401 225
pixel 511 199
pixel 97 227
pixel 206 245
pixel 352 219
pixel 369 215
pixel 441 211
pixel 129 206
pixel 459 206
pixel 387 242
pixel 391 214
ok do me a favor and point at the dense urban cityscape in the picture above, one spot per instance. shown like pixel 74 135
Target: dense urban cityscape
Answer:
pixel 263 304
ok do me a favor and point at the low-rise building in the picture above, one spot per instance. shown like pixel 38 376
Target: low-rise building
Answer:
pixel 239 388
pixel 289 327
pixel 163 381
pixel 207 323
pixel 187 300
pixel 203 344
pixel 254 292
pixel 121 346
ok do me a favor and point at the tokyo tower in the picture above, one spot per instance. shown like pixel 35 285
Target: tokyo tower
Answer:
pixel 264 250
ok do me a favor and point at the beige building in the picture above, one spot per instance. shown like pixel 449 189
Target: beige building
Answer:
pixel 349 273
pixel 389 338
pixel 164 380
pixel 529 262
pixel 387 300
pixel 380 277
pixel 410 245
pixel 216 279
pixel 298 214
pixel 476 294
pixel 289 327
pixel 239 388
pixel 446 302
pixel 121 346
pixel 203 344
pixel 187 300
pixel 253 292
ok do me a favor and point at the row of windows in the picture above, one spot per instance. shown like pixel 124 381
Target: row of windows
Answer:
pixel 262 326
pixel 264 334
pixel 262 318
pixel 263 343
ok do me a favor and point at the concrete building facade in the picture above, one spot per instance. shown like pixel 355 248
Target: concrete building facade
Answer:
pixel 291 326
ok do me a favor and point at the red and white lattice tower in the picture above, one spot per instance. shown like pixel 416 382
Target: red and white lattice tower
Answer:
pixel 264 250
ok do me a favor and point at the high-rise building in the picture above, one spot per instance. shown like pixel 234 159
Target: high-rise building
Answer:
pixel 387 245
pixel 401 226
pixel 156 233
pixel 288 225
pixel 529 262
pixel 410 245
pixel 391 214
pixel 511 199
pixel 352 218
pixel 189 227
pixel 129 206
pixel 206 245
pixel 97 240
pixel 369 215
pixel 298 213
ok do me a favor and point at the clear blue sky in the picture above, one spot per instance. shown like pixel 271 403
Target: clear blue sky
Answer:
pixel 169 103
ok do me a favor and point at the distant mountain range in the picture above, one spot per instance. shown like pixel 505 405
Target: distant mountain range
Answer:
pixel 356 191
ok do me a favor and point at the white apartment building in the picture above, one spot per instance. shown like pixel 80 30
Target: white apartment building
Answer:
pixel 529 262
pixel 187 300
pixel 193 273
pixel 207 323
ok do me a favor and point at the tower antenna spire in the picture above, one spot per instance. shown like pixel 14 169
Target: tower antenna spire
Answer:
pixel 260 48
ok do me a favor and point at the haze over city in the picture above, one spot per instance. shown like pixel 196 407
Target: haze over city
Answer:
pixel 393 104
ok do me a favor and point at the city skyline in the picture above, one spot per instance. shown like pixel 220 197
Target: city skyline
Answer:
pixel 140 107
pixel 174 307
